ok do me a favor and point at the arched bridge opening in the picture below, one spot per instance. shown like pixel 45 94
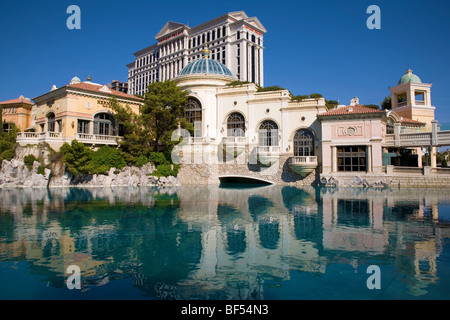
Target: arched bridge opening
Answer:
pixel 244 180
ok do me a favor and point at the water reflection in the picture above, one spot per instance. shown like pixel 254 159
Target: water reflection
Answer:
pixel 224 243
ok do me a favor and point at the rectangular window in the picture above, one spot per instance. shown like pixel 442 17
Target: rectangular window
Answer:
pixel 83 126
pixel 352 158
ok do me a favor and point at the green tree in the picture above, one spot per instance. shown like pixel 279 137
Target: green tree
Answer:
pixel 8 142
pixel 386 104
pixel 331 103
pixel 162 110
pixel 137 138
pixel 315 95
pixel 76 157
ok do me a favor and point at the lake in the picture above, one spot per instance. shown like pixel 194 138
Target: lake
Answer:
pixel 229 242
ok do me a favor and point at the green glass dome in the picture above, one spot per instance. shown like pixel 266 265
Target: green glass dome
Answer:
pixel 206 66
pixel 409 77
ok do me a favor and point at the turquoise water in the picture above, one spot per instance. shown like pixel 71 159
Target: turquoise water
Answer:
pixel 189 243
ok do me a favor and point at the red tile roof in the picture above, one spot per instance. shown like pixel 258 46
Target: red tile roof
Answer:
pixel 411 122
pixel 349 110
pixel 96 88
pixel 21 99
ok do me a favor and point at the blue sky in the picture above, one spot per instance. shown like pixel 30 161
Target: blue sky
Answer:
pixel 320 46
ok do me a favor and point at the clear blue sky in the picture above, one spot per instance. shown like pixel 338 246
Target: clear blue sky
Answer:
pixel 320 46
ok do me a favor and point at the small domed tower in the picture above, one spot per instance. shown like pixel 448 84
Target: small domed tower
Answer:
pixel 411 99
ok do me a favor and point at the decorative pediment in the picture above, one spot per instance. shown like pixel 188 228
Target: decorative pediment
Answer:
pixel 254 21
pixel 169 28
pixel 238 15
pixel 105 89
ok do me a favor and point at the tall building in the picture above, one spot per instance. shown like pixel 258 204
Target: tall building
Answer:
pixel 234 40
pixel 118 86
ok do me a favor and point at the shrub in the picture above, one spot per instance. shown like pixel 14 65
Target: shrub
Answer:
pixel 29 160
pixel 237 83
pixel 7 155
pixel 41 170
pixel 271 88
pixel 106 158
pixel 166 170
pixel 141 161
pixel 157 158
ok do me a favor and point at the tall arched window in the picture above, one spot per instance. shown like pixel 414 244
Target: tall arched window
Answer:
pixel 303 143
pixel 268 134
pixel 390 126
pixel 104 124
pixel 51 122
pixel 236 125
pixel 193 113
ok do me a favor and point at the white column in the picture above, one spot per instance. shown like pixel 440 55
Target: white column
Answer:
pixel 248 62
pixel 369 159
pixel 334 159
pixel 261 67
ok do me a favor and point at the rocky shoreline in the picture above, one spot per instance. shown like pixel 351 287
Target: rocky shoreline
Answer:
pixel 15 174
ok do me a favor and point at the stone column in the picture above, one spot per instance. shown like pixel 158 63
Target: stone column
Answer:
pixel 433 157
pixel 91 127
pixel 419 157
pixel 261 67
pixel 369 159
pixel 397 128
pixel 334 159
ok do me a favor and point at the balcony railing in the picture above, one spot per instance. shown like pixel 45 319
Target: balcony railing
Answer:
pixel 303 160
pixel 39 137
pixel 83 137
pixel 268 149
pixel 234 140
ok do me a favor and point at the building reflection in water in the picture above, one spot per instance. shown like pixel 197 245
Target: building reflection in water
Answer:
pixel 217 243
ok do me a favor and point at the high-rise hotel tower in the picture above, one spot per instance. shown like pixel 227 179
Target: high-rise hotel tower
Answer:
pixel 233 39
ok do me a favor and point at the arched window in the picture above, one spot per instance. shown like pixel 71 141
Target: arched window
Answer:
pixel 104 124
pixel 268 134
pixel 51 122
pixel 390 126
pixel 193 113
pixel 236 125
pixel 303 143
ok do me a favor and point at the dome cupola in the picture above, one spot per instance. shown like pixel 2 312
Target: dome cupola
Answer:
pixel 409 77
pixel 206 66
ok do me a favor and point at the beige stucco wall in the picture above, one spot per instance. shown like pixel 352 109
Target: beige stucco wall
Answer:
pixel 19 114
pixel 73 107
pixel 369 132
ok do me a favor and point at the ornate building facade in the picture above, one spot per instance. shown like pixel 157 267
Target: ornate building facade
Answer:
pixel 235 40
